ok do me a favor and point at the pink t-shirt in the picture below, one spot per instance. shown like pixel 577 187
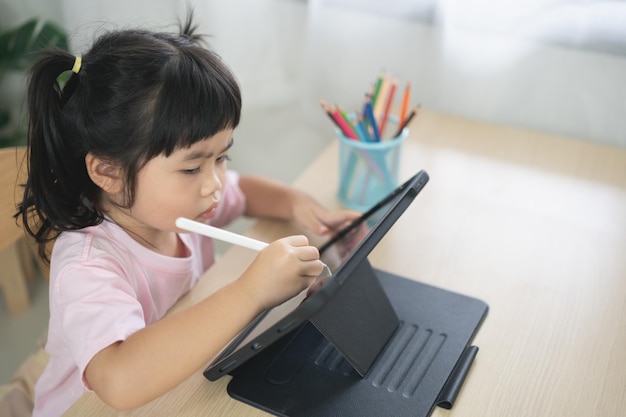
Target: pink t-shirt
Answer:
pixel 104 286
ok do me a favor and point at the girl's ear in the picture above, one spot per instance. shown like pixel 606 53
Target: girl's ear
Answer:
pixel 104 173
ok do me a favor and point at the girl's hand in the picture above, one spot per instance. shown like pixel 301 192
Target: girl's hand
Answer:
pixel 271 199
pixel 312 216
pixel 281 271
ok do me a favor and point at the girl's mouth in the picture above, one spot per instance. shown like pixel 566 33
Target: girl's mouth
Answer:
pixel 209 213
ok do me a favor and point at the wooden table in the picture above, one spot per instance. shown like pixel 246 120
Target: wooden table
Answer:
pixel 533 224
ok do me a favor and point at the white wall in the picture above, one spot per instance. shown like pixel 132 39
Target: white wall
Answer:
pixel 283 51
pixel 482 67
pixel 251 36
pixel 13 12
pixel 255 38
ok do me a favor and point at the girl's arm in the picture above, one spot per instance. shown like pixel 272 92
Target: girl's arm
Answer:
pixel 271 199
pixel 158 357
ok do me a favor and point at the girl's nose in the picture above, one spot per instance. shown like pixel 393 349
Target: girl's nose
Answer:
pixel 212 183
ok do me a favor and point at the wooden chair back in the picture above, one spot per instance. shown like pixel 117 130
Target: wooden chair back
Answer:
pixel 17 253
pixel 12 173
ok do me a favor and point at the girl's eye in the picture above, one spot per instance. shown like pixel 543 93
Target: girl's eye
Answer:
pixel 191 171
pixel 196 170
pixel 223 158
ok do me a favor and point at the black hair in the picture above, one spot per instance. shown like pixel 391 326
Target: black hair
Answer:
pixel 138 94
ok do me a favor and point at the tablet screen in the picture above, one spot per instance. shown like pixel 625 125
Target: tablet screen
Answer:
pixel 335 253
pixel 339 248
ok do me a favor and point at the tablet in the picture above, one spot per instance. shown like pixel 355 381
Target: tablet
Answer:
pixel 342 253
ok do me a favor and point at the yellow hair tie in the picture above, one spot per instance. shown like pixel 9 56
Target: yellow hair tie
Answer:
pixel 77 63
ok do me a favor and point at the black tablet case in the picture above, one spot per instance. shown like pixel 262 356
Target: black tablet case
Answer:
pixel 411 341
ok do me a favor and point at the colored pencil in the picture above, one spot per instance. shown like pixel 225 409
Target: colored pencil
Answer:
pixel 336 119
pixel 362 127
pixel 385 115
pixel 372 120
pixel 405 103
pixel 348 123
pixel 378 106
pixel 406 121
pixel 377 86
pixel 345 128
pixel 328 111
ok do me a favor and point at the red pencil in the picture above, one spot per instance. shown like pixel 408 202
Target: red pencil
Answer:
pixel 335 116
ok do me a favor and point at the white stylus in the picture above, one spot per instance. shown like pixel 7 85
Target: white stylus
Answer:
pixel 220 234
pixel 225 235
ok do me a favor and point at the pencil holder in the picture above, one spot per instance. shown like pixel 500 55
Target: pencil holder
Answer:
pixel 368 171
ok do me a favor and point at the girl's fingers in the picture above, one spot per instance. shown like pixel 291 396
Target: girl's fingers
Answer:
pixel 297 240
pixel 313 269
pixel 334 220
pixel 308 253
pixel 308 256
pixel 303 250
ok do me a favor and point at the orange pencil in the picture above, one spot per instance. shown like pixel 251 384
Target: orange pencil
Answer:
pixel 383 119
pixel 405 103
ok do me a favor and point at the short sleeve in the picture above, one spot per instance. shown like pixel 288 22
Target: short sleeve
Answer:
pixel 98 307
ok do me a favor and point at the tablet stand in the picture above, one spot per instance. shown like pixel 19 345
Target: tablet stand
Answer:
pixel 359 319
pixel 382 346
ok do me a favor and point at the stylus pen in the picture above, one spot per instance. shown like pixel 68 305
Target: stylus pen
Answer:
pixel 220 234
pixel 225 235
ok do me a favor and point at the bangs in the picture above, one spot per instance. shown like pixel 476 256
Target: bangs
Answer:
pixel 199 97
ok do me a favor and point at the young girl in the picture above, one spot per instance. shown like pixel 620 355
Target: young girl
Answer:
pixel 139 136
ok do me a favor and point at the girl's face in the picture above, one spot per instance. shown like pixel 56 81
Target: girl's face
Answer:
pixel 188 183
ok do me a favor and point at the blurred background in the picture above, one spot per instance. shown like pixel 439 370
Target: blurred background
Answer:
pixel 557 66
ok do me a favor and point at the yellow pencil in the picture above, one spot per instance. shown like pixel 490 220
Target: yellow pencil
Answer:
pixel 379 105
pixel 383 119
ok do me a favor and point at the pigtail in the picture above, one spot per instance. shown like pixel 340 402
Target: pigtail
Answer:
pixel 52 194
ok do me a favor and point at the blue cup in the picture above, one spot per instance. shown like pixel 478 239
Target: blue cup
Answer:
pixel 368 171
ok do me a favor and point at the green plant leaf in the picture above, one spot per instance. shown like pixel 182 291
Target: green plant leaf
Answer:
pixel 4 47
pixel 16 53
pixel 19 44
pixel 5 118
pixel 50 35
